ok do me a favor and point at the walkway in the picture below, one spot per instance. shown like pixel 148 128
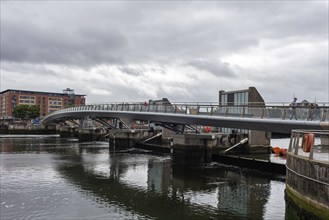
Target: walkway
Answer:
pixel 274 118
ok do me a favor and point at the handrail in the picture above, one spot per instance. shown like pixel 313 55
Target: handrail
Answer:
pixel 305 113
pixel 305 141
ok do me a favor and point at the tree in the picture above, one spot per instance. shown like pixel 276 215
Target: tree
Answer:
pixel 34 111
pixel 26 112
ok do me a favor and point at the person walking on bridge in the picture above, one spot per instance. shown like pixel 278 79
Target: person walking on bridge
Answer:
pixel 293 106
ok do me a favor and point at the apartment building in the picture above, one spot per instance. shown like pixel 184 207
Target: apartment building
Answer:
pixel 47 101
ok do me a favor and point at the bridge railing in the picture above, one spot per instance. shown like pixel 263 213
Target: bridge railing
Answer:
pixel 254 110
pixel 310 144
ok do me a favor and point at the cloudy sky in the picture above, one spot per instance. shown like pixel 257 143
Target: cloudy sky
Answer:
pixel 183 50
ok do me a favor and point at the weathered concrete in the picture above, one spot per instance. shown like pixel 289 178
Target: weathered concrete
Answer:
pixel 90 134
pixel 193 148
pixel 259 138
pixel 125 139
pixel 68 131
pixel 27 129
pixel 308 185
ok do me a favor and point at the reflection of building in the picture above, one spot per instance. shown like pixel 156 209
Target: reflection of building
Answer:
pixel 47 101
pixel 158 176
pixel 241 195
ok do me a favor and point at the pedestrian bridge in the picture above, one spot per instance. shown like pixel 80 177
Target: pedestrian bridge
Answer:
pixel 272 118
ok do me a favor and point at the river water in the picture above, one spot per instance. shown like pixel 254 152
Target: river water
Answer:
pixel 44 177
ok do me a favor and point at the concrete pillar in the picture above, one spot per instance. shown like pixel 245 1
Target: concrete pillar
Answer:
pixel 193 149
pixel 125 139
pixel 260 138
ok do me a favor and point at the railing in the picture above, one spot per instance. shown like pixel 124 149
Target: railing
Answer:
pixel 307 143
pixel 254 110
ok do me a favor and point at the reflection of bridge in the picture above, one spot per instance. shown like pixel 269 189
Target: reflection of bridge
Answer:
pixel 273 118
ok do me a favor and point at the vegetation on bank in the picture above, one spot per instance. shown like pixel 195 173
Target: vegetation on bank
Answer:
pixel 26 112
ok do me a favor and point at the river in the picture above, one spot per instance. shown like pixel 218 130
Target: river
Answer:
pixel 46 177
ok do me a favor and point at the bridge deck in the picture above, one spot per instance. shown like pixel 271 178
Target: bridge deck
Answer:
pixel 265 118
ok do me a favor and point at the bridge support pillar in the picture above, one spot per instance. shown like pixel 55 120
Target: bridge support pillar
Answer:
pixel 90 134
pixel 68 131
pixel 261 138
pixel 125 138
pixel 193 148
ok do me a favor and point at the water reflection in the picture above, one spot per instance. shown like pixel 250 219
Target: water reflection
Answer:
pixel 87 179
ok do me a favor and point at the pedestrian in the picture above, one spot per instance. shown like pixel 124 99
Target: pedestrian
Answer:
pixel 317 112
pixel 293 106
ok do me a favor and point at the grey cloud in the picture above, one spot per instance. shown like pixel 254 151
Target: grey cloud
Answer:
pixel 218 69
pixel 85 46
pixel 29 69
pixel 112 32
pixel 130 71
pixel 132 35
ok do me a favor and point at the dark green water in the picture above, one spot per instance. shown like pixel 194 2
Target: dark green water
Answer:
pixel 54 178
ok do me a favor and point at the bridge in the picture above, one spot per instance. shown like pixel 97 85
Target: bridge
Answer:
pixel 179 116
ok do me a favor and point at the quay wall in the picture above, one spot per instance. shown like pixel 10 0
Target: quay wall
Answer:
pixel 28 129
pixel 307 186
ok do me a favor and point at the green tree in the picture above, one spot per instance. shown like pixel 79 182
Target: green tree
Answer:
pixel 26 112
pixel 34 111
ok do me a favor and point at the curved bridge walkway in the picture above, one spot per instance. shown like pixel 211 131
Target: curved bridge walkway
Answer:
pixel 177 116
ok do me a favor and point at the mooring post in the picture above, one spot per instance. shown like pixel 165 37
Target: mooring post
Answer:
pixel 114 142
pixel 113 146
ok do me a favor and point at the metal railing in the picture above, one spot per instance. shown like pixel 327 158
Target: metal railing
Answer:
pixel 308 142
pixel 254 110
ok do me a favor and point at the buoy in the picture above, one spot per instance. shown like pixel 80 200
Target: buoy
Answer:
pixel 307 142
pixel 275 150
pixel 282 152
pixel 207 129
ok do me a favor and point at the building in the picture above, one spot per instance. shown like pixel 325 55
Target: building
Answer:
pixel 230 102
pixel 248 96
pixel 47 101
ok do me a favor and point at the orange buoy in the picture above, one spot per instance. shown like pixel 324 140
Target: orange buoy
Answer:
pixel 275 150
pixel 207 129
pixel 307 142
pixel 282 152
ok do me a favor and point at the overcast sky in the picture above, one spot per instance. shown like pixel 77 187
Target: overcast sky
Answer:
pixel 185 51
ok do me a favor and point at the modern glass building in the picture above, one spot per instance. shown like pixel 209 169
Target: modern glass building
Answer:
pixel 236 101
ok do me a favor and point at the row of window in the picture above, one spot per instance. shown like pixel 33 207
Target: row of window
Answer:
pixel 54 107
pixel 26 101
pixel 54 99
pixel 55 103
pixel 238 98
pixel 26 97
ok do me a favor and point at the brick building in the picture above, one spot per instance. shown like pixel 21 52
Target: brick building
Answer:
pixel 47 101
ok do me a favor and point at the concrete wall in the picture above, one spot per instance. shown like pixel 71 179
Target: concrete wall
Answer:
pixel 308 184
pixel 259 138
pixel 124 139
pixel 193 149
pixel 254 96
pixel 28 129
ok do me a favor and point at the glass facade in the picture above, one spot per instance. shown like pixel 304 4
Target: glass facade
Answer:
pixel 237 98
pixel 233 100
